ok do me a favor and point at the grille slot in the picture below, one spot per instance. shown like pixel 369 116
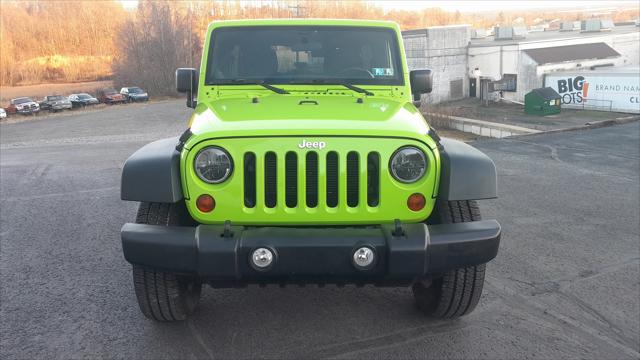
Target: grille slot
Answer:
pixel 249 180
pixel 373 179
pixel 332 179
pixel 352 178
pixel 291 179
pixel 311 172
pixel 270 180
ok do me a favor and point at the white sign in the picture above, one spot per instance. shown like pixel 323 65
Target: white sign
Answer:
pixel 607 92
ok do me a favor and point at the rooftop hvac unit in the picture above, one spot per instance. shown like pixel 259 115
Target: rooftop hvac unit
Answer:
pixel 519 32
pixel 567 26
pixel 479 34
pixel 509 32
pixel 606 25
pixel 503 32
pixel 590 25
pixel 596 25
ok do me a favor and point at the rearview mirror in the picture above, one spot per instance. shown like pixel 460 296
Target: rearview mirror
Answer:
pixel 187 82
pixel 421 82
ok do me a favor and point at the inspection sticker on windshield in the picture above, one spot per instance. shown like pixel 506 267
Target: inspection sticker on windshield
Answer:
pixel 382 71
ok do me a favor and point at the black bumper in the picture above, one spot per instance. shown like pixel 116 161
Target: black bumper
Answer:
pixel 322 255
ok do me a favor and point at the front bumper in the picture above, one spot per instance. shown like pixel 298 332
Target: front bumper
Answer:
pixel 61 106
pixel 317 255
pixel 26 111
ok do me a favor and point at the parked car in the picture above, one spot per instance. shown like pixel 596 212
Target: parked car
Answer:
pixel 110 96
pixel 3 113
pixel 55 103
pixel 82 100
pixel 134 94
pixel 22 105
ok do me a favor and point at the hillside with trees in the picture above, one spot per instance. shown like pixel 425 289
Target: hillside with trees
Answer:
pixel 70 41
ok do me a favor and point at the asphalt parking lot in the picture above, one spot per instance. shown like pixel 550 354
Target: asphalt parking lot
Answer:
pixel 565 284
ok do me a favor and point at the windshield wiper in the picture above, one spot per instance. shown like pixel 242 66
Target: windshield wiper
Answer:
pixel 327 82
pixel 261 83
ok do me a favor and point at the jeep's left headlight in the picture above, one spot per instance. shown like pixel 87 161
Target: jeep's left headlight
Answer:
pixel 408 164
pixel 213 165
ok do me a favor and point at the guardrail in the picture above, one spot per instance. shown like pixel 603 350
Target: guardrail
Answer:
pixel 596 104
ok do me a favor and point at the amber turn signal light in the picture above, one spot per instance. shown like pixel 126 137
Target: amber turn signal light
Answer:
pixel 205 203
pixel 416 202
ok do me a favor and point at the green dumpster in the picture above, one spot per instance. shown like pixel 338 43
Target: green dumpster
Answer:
pixel 542 101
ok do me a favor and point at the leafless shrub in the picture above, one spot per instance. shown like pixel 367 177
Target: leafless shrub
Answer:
pixel 153 45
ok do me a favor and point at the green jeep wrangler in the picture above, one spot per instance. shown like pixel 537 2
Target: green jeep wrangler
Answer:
pixel 306 161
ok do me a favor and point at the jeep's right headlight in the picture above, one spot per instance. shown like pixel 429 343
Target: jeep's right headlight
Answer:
pixel 408 164
pixel 213 165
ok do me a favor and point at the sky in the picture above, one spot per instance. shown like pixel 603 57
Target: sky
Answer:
pixel 466 6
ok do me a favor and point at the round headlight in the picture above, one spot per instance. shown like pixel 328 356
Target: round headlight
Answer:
pixel 408 164
pixel 213 165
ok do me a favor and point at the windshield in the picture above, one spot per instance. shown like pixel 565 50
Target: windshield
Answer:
pixel 21 100
pixel 304 54
pixel 84 96
pixel 110 92
pixel 55 98
pixel 135 90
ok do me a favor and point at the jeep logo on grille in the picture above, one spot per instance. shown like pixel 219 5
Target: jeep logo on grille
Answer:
pixel 312 144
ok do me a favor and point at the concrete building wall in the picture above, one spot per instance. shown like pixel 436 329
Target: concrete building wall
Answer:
pixel 450 54
pixel 444 51
pixel 498 59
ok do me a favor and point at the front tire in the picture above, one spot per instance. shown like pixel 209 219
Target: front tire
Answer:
pixel 457 292
pixel 165 296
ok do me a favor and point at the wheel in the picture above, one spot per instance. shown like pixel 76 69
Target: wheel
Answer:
pixel 456 292
pixel 165 296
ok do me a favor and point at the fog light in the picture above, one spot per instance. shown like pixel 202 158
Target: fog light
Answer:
pixel 261 258
pixel 205 203
pixel 364 257
pixel 416 202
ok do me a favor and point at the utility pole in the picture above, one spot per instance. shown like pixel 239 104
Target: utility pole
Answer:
pixel 190 34
pixel 297 8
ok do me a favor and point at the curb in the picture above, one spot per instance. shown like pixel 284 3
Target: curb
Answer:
pixel 478 127
pixel 598 124
pixel 497 130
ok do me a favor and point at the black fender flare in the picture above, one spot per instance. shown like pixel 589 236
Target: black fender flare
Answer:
pixel 152 174
pixel 466 173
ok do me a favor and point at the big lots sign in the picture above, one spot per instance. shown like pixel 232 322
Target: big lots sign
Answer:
pixel 615 91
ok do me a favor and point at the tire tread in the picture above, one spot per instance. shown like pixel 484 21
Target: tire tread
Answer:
pixel 458 291
pixel 163 296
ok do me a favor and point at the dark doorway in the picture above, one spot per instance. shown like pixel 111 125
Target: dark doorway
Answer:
pixel 472 87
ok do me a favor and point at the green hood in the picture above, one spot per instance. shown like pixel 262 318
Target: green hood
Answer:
pixel 306 115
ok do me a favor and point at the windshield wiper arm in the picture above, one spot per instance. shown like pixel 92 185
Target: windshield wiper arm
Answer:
pixel 357 89
pixel 326 82
pixel 261 83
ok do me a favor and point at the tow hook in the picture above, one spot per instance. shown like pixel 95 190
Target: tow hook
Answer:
pixel 227 233
pixel 397 231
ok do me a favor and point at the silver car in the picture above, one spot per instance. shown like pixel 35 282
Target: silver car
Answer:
pixel 55 103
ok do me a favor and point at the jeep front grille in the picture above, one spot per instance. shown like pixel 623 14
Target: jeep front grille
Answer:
pixel 320 185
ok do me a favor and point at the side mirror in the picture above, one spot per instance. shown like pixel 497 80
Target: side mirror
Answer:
pixel 187 82
pixel 421 82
